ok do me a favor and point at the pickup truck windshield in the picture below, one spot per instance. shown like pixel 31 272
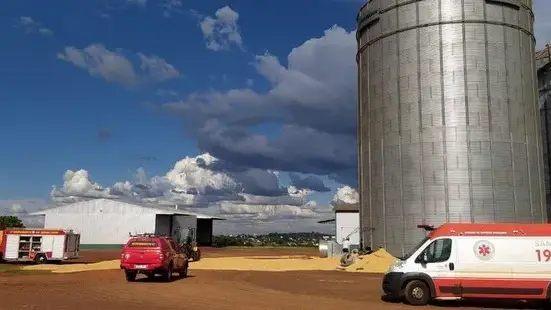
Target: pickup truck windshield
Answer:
pixel 414 249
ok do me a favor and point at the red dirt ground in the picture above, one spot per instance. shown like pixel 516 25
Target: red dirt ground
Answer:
pixel 203 289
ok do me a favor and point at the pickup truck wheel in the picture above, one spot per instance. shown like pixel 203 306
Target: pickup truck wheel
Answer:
pixel 130 275
pixel 417 293
pixel 167 275
pixel 183 274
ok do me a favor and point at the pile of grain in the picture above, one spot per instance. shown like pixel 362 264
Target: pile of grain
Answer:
pixel 70 268
pixel 267 263
pixel 376 262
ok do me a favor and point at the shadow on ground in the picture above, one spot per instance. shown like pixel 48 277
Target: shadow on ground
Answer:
pixel 483 304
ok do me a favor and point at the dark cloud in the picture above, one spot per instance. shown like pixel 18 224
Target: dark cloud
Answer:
pixel 309 182
pixel 313 98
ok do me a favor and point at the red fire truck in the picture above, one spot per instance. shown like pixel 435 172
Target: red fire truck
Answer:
pixel 38 245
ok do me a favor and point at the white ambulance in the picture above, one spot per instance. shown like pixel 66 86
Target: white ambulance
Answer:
pixel 487 261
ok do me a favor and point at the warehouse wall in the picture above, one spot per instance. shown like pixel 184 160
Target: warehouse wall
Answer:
pixel 102 222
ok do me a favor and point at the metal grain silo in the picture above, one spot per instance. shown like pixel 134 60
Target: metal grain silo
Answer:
pixel 449 125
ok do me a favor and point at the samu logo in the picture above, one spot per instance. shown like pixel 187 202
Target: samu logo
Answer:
pixel 484 250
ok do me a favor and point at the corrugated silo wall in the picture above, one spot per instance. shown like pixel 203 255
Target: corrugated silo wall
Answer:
pixel 449 122
pixel 544 86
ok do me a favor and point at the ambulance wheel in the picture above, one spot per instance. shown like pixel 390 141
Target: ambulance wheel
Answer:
pixel 130 275
pixel 417 293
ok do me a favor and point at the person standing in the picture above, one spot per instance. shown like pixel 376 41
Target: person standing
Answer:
pixel 346 245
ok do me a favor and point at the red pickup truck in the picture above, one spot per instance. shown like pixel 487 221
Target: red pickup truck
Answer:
pixel 151 255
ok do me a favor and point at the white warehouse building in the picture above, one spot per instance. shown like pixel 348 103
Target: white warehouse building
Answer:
pixel 104 223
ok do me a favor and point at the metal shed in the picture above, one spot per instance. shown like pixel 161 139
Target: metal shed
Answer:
pixel 105 223
pixel 347 222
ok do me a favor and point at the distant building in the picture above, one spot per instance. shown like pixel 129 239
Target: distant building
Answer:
pixel 347 223
pixel 105 223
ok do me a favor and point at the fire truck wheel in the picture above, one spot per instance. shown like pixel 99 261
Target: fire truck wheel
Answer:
pixel 130 275
pixel 198 254
pixel 417 293
pixel 40 259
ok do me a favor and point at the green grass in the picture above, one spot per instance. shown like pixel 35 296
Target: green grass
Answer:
pixel 85 247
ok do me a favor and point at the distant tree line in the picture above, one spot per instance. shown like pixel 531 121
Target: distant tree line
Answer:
pixel 10 222
pixel 304 239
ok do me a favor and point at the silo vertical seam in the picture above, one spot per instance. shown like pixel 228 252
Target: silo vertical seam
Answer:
pixel 359 130
pixel 371 227
pixel 467 113
pixel 510 124
pixel 399 99
pixel 443 104
pixel 525 123
pixel 420 115
pixel 489 95
pixel 383 110
pixel 535 104
pixel 384 187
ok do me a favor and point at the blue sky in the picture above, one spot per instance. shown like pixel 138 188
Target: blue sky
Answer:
pixel 109 87
pixel 61 116
pixel 56 110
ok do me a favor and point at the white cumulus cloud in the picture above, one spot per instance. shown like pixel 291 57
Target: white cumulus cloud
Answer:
pixel 32 26
pixel 114 66
pixel 346 195
pixel 221 30
pixel 202 184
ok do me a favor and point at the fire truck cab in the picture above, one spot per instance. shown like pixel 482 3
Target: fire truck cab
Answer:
pixel 461 261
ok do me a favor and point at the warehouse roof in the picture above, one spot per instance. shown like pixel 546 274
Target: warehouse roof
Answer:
pixel 159 209
pixel 346 207
pixel 326 221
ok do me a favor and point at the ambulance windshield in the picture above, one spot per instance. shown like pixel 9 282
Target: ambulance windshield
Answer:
pixel 414 249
